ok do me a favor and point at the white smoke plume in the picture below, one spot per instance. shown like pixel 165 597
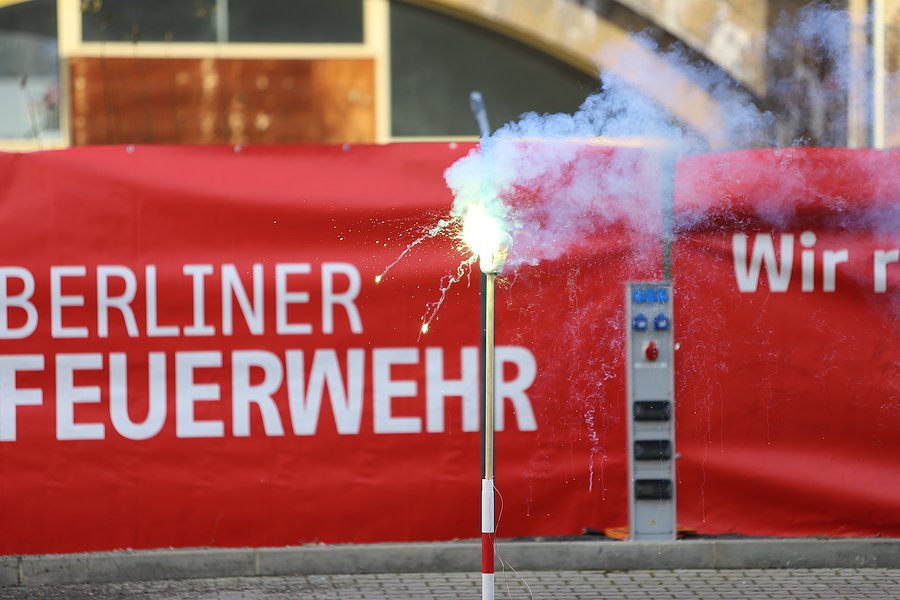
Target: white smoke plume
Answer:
pixel 582 192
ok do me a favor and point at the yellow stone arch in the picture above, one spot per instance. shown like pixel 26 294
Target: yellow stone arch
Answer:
pixel 577 35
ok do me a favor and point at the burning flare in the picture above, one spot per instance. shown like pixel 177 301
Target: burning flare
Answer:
pixel 486 237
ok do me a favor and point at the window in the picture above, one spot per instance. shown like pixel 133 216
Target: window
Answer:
pixel 437 60
pixel 307 21
pixel 259 21
pixel 142 21
pixel 29 71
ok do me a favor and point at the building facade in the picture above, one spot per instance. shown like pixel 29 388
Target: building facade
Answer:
pixel 79 72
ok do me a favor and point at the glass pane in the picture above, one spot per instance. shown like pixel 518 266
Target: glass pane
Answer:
pixel 437 60
pixel 148 21
pixel 29 71
pixel 311 21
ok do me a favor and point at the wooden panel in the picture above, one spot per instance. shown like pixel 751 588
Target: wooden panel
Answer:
pixel 212 101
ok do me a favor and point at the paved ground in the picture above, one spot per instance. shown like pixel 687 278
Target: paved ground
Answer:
pixel 688 584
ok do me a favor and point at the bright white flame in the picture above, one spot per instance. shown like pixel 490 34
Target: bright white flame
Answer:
pixel 484 235
pixel 424 327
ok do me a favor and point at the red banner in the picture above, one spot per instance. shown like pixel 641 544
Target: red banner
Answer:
pixel 195 351
pixel 787 381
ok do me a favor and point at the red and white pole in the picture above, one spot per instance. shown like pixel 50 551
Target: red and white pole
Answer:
pixel 490 266
pixel 487 539
pixel 487 446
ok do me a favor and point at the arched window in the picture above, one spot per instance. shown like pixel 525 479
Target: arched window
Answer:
pixel 436 60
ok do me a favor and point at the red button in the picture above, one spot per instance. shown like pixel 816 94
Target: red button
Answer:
pixel 651 351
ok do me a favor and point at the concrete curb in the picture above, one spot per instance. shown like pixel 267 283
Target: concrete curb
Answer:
pixel 446 557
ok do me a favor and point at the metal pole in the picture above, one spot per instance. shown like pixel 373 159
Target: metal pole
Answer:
pixel 858 92
pixel 487 394
pixel 879 28
pixel 667 161
pixel 489 376
pixel 476 103
pixel 487 482
pixel 221 22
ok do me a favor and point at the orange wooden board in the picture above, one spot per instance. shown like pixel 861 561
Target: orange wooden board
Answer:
pixel 213 101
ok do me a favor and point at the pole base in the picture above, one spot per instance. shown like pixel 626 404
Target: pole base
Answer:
pixel 487 586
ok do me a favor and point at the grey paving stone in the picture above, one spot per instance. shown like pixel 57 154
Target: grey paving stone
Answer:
pixel 53 569
pixel 862 584
pixel 9 570
pixel 169 565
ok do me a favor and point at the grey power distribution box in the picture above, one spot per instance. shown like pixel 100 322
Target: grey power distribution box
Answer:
pixel 651 411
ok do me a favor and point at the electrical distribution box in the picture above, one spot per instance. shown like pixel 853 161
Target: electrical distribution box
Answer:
pixel 651 411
